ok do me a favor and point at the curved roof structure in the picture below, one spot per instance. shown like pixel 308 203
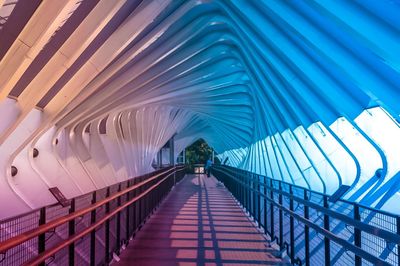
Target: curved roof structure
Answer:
pixel 303 91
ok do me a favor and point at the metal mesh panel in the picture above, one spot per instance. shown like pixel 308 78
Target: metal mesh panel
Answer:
pixel 276 217
pixel 57 211
pixel 100 245
pixel 343 227
pixel 299 229
pixel 286 220
pixel 13 227
pixel 113 234
pixel 29 249
pixel 83 201
pixel 82 246
pixel 317 255
pixel 376 245
pixel 21 253
pixel 123 224
pixel 340 256
pixel 377 219
pixel 60 258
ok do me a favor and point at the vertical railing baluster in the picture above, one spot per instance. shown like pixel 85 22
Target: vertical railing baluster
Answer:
pixel 237 187
pixel 107 231
pixel 291 207
pixel 242 190
pixel 398 245
pixel 250 195
pixel 127 215
pixel 71 232
pixel 245 193
pixel 42 237
pixel 258 201
pixel 248 203
pixel 280 201
pixel 139 205
pixel 265 206
pixel 271 206
pixel 327 243
pixel 253 193
pixel 118 225
pixel 93 233
pixel 134 210
pixel 306 231
pixel 357 234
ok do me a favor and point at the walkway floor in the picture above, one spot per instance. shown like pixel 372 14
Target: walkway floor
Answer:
pixel 199 224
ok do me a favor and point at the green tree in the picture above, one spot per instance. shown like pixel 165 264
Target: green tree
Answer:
pixel 199 152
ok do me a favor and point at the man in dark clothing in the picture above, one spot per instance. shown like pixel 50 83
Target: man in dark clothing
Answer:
pixel 208 167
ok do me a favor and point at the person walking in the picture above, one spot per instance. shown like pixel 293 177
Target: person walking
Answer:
pixel 208 167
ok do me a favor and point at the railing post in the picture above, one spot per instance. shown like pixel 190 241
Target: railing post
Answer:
pixel 272 210
pixel 258 201
pixel 241 190
pixel 127 215
pixel 280 201
pixel 327 243
pixel 398 245
pixel 236 184
pixel 146 200
pixel 42 237
pixel 134 210
pixel 253 196
pixel 71 232
pixel 306 231
pixel 291 225
pixel 236 189
pixel 93 233
pixel 250 200
pixel 247 183
pixel 265 206
pixel 107 232
pixel 249 194
pixel 244 185
pixel 357 234
pixel 118 222
pixel 140 203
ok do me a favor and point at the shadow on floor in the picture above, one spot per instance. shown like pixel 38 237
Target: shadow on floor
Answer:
pixel 199 224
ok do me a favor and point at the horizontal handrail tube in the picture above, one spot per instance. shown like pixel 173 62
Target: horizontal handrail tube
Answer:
pixel 50 252
pixel 19 239
pixel 13 218
pixel 229 168
pixel 356 250
pixel 379 232
pixel 345 244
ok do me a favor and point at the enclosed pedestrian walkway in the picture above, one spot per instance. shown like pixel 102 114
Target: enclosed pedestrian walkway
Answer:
pixel 298 102
pixel 200 223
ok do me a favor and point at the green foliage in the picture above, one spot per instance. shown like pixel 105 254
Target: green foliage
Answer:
pixel 199 152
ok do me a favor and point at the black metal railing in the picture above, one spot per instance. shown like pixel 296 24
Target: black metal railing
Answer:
pixel 92 230
pixel 311 229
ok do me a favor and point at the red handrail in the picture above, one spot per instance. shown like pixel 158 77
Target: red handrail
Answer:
pixel 19 239
pixel 50 252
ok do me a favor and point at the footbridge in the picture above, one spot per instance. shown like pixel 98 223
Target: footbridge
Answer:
pixel 297 100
